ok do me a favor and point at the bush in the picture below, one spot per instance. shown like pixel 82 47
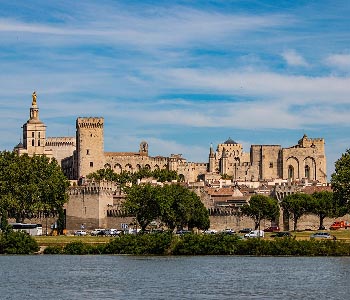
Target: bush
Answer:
pixel 156 244
pixel 53 250
pixel 13 242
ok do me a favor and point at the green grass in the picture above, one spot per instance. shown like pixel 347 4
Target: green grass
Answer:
pixel 341 234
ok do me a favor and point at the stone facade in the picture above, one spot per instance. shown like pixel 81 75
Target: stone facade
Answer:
pixel 98 205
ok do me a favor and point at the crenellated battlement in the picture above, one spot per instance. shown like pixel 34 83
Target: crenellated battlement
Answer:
pixel 60 141
pixel 92 188
pixel 89 122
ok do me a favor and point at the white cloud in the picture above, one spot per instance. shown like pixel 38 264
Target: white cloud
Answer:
pixel 294 59
pixel 339 61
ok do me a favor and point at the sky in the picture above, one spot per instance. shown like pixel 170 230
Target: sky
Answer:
pixel 181 75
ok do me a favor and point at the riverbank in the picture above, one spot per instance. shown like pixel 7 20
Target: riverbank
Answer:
pixel 194 244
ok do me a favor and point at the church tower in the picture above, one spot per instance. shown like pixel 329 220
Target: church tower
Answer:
pixel 34 132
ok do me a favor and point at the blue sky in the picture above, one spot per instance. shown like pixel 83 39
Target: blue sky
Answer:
pixel 179 74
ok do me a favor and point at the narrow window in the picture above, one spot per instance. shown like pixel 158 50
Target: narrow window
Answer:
pixel 32 134
pixel 290 172
pixel 87 151
pixel 271 165
pixel 38 142
pixel 39 135
pixel 307 172
pixel 91 164
pixel 33 143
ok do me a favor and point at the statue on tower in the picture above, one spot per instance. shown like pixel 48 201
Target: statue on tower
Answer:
pixel 34 98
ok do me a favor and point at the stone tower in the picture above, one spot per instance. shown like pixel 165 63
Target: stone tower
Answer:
pixel 211 168
pixel 89 143
pixel 34 133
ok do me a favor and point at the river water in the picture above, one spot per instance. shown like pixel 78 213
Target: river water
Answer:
pixel 190 277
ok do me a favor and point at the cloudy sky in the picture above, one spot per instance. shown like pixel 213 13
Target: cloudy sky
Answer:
pixel 179 74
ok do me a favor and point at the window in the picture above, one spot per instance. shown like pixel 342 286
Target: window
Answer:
pixel 307 172
pixel 91 164
pixel 39 135
pixel 33 142
pixel 38 142
pixel 32 134
pixel 87 151
pixel 271 165
pixel 290 172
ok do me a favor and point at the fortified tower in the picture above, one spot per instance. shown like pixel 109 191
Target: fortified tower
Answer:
pixel 89 143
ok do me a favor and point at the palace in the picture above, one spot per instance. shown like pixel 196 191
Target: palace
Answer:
pixel 84 154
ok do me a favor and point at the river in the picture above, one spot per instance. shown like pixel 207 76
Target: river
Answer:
pixel 190 277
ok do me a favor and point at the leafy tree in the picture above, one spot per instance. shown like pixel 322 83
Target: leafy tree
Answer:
pixel 260 208
pixel 173 204
pixel 340 182
pixel 141 201
pixel 297 205
pixel 30 184
pixel 324 206
pixel 181 207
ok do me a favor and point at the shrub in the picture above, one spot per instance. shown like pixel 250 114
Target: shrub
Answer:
pixel 12 242
pixel 53 250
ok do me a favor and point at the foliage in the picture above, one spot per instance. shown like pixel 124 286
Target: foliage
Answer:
pixel 30 184
pixel 324 206
pixel 173 204
pixel 53 249
pixel 146 244
pixel 260 208
pixel 340 182
pixel 180 207
pixel 128 177
pixel 297 205
pixel 141 201
pixel 13 242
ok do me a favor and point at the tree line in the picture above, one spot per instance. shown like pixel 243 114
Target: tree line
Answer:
pixel 31 185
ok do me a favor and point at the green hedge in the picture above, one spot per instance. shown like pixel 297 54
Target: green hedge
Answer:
pixel 189 244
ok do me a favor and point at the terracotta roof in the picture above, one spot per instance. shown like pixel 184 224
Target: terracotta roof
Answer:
pixel 314 188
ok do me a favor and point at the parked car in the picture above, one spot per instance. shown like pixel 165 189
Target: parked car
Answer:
pixel 80 232
pixel 272 229
pixel 112 232
pixel 281 234
pixel 245 230
pixel 255 234
pixel 322 235
pixel 228 231
pixel 97 231
pixel 210 231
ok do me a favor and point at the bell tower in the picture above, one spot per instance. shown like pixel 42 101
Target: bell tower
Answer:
pixel 34 131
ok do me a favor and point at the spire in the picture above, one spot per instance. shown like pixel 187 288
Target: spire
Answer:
pixel 211 153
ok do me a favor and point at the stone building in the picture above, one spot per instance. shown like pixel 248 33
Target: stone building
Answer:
pixel 84 154
pixel 98 205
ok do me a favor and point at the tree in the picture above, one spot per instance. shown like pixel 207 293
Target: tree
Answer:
pixel 173 204
pixel 340 182
pixel 141 201
pixel 29 185
pixel 297 205
pixel 324 206
pixel 260 208
pixel 181 207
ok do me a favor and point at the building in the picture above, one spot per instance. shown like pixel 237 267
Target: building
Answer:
pixel 84 154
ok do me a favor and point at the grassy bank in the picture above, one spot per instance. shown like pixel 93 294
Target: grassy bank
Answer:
pixel 191 244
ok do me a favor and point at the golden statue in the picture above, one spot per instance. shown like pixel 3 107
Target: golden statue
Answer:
pixel 34 98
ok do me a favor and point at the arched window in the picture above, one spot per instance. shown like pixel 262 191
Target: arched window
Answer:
pixel 290 172
pixel 307 172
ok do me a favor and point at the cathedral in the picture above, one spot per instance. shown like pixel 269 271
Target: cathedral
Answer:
pixel 84 154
